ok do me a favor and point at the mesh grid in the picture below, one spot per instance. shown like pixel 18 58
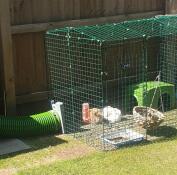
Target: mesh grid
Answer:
pixel 113 68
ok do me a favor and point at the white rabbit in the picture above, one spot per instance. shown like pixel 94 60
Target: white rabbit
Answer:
pixel 111 114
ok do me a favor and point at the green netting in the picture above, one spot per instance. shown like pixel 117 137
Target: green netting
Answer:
pixel 117 65
pixel 144 28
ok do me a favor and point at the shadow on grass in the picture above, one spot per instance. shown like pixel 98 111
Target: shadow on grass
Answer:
pixel 162 134
pixel 147 142
pixel 163 131
pixel 37 143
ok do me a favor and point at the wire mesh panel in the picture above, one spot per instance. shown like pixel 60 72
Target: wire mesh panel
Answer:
pixel 76 77
pixel 59 62
pixel 124 67
pixel 117 81
pixel 168 75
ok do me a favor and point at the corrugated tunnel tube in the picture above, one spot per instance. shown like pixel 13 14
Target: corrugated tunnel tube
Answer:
pixel 27 126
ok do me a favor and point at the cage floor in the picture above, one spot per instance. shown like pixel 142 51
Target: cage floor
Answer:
pixel 92 133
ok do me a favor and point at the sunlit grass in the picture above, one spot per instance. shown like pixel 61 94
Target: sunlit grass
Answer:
pixel 157 158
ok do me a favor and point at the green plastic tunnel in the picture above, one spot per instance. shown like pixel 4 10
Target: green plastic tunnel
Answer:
pixel 34 125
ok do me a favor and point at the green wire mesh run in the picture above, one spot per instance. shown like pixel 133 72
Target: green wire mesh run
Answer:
pixel 108 65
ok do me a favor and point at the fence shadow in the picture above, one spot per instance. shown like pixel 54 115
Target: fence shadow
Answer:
pixel 37 143
pixel 163 131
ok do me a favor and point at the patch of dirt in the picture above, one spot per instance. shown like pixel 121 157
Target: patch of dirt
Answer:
pixel 77 151
pixel 74 151
pixel 8 171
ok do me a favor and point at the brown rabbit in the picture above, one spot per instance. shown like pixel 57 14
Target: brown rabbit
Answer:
pixel 96 116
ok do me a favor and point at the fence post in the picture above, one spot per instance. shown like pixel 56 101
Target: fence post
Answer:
pixel 6 51
pixel 171 6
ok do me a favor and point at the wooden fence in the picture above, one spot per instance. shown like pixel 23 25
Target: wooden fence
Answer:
pixel 22 26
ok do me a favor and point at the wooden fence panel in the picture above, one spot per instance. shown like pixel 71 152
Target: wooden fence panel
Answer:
pixel 1 85
pixel 6 55
pixel 24 63
pixel 21 11
pixel 28 48
pixel 30 66
pixel 39 11
pixel 171 6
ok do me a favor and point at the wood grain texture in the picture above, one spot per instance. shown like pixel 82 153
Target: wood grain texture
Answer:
pixel 1 84
pixel 29 98
pixel 30 18
pixel 40 76
pixel 7 57
pixel 34 28
pixel 21 11
pixel 171 6
pixel 41 11
pixel 34 11
pixel 24 63
pixel 30 66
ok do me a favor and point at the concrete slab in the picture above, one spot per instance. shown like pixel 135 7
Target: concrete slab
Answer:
pixel 8 146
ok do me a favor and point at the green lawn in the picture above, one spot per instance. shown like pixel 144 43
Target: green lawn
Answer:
pixel 63 157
